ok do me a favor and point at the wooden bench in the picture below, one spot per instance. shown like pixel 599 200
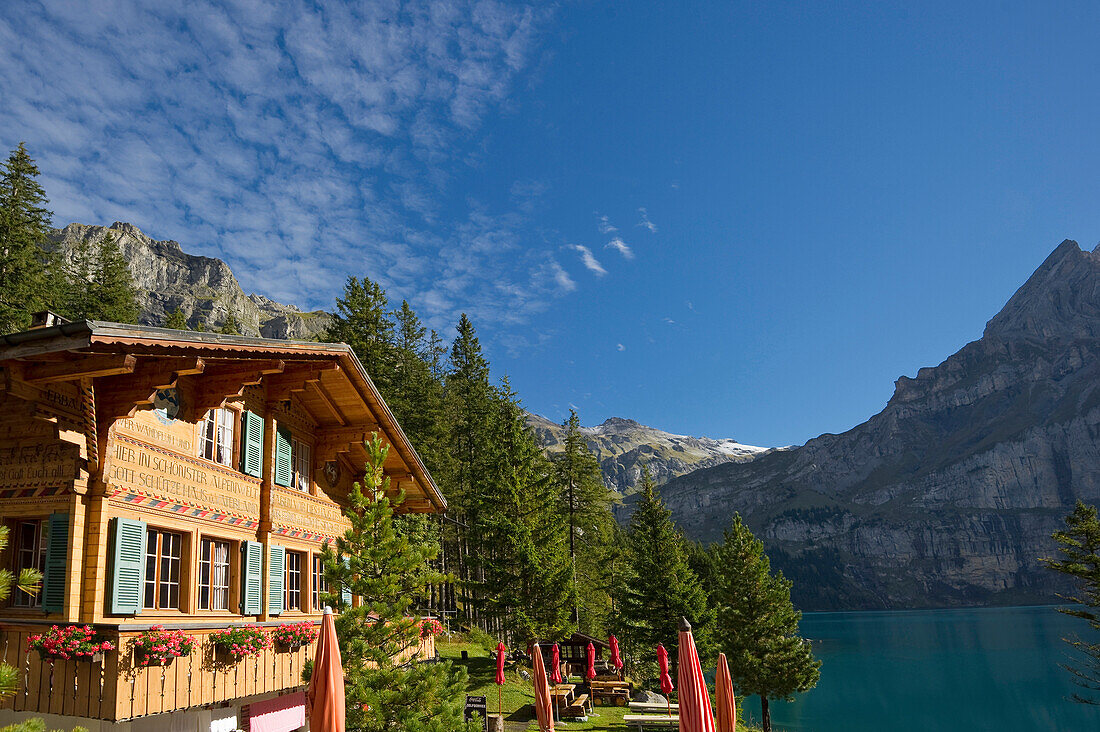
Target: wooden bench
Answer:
pixel 576 708
pixel 651 721
pixel 654 708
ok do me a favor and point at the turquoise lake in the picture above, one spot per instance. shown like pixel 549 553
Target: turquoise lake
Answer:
pixel 943 670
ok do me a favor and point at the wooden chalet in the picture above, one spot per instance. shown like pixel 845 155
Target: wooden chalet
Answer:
pixel 184 479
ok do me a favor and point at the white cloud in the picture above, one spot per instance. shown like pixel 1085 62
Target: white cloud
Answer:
pixel 645 223
pixel 620 347
pixel 561 277
pixel 300 143
pixel 605 226
pixel 669 321
pixel 590 262
pixel 621 246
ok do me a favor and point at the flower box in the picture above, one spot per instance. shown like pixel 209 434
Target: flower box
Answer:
pixel 291 636
pixel 159 647
pixel 76 642
pixel 242 641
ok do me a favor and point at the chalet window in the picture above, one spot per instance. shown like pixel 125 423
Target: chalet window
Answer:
pixel 318 582
pixel 302 464
pixel 217 432
pixel 293 581
pixel 213 575
pixel 162 570
pixel 30 553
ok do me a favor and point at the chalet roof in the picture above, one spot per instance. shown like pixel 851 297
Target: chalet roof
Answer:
pixel 91 336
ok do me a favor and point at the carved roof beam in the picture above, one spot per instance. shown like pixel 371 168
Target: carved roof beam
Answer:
pixel 294 378
pixel 78 367
pixel 222 381
pixel 119 396
pixel 326 399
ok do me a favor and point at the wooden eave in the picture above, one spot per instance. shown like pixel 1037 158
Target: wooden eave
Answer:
pixel 326 379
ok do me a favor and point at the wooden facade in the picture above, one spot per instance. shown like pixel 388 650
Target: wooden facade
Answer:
pixel 183 479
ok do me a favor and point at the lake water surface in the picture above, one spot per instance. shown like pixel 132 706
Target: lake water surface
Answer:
pixel 944 670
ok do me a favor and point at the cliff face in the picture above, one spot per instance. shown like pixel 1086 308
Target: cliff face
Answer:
pixel 950 494
pixel 622 446
pixel 204 288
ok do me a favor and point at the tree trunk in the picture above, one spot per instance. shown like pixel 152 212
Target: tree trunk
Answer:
pixel 766 714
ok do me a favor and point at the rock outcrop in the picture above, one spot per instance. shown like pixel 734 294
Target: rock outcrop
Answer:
pixel 202 287
pixel 950 494
pixel 622 446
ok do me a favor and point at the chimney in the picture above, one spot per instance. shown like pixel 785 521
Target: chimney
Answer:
pixel 46 319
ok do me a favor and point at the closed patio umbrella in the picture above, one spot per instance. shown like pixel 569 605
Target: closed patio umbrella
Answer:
pixel 543 710
pixel 590 671
pixel 666 680
pixel 326 685
pixel 555 674
pixel 695 711
pixel 500 679
pixel 724 702
pixel 616 659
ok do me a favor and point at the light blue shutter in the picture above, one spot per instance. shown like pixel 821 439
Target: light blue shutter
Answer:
pixel 276 566
pixel 345 591
pixel 57 561
pixel 128 571
pixel 252 444
pixel 283 457
pixel 252 586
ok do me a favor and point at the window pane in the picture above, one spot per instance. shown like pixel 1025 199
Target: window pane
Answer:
pixel 151 569
pixel 208 436
pixel 31 554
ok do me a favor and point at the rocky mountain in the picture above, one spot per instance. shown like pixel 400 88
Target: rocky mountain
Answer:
pixel 949 495
pixel 203 287
pixel 622 446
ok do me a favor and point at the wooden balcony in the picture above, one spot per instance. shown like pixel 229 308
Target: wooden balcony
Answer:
pixel 117 689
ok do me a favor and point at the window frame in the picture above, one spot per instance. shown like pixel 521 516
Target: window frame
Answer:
pixel 18 598
pixel 154 550
pixel 294 589
pixel 297 445
pixel 206 556
pixel 316 581
pixel 234 424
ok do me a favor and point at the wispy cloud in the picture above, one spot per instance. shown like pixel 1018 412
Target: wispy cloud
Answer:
pixel 605 225
pixel 645 223
pixel 560 277
pixel 621 246
pixel 301 143
pixel 620 347
pixel 589 260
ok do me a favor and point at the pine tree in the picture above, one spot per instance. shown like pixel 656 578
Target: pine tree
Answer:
pixel 757 625
pixel 28 581
pixel 231 326
pixel 415 394
pixel 385 689
pixel 587 508
pixel 522 555
pixel 1079 544
pixel 660 587
pixel 176 320
pixel 98 284
pixel 362 321
pixel 28 274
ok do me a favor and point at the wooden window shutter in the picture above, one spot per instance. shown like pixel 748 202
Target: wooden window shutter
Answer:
pixel 252 578
pixel 345 591
pixel 276 567
pixel 128 569
pixel 57 562
pixel 252 444
pixel 284 468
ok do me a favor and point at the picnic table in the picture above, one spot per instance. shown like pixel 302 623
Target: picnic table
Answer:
pixel 654 708
pixel 651 721
pixel 616 692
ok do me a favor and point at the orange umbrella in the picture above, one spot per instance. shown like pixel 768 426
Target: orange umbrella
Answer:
pixel 725 705
pixel 695 711
pixel 543 710
pixel 326 685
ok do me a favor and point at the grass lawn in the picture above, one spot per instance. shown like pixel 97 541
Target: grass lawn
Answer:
pixel 519 695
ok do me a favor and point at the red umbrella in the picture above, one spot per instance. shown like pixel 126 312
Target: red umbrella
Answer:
pixel 695 711
pixel 326 685
pixel 616 660
pixel 542 693
pixel 555 662
pixel 500 679
pixel 725 705
pixel 666 680
pixel 590 672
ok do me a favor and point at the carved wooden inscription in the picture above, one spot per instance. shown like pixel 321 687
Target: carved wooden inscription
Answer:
pixel 148 469
pixel 29 463
pixel 305 513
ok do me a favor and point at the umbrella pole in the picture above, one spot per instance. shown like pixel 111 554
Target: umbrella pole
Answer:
pixel 669 704
pixel 500 701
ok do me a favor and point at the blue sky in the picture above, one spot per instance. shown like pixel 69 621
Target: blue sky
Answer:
pixel 732 219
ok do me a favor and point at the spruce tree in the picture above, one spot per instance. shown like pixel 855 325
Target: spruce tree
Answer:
pixel 98 284
pixel 386 689
pixel 1079 544
pixel 28 277
pixel 522 555
pixel 660 587
pixel 231 326
pixel 415 393
pixel 757 624
pixel 176 320
pixel 362 321
pixel 587 509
